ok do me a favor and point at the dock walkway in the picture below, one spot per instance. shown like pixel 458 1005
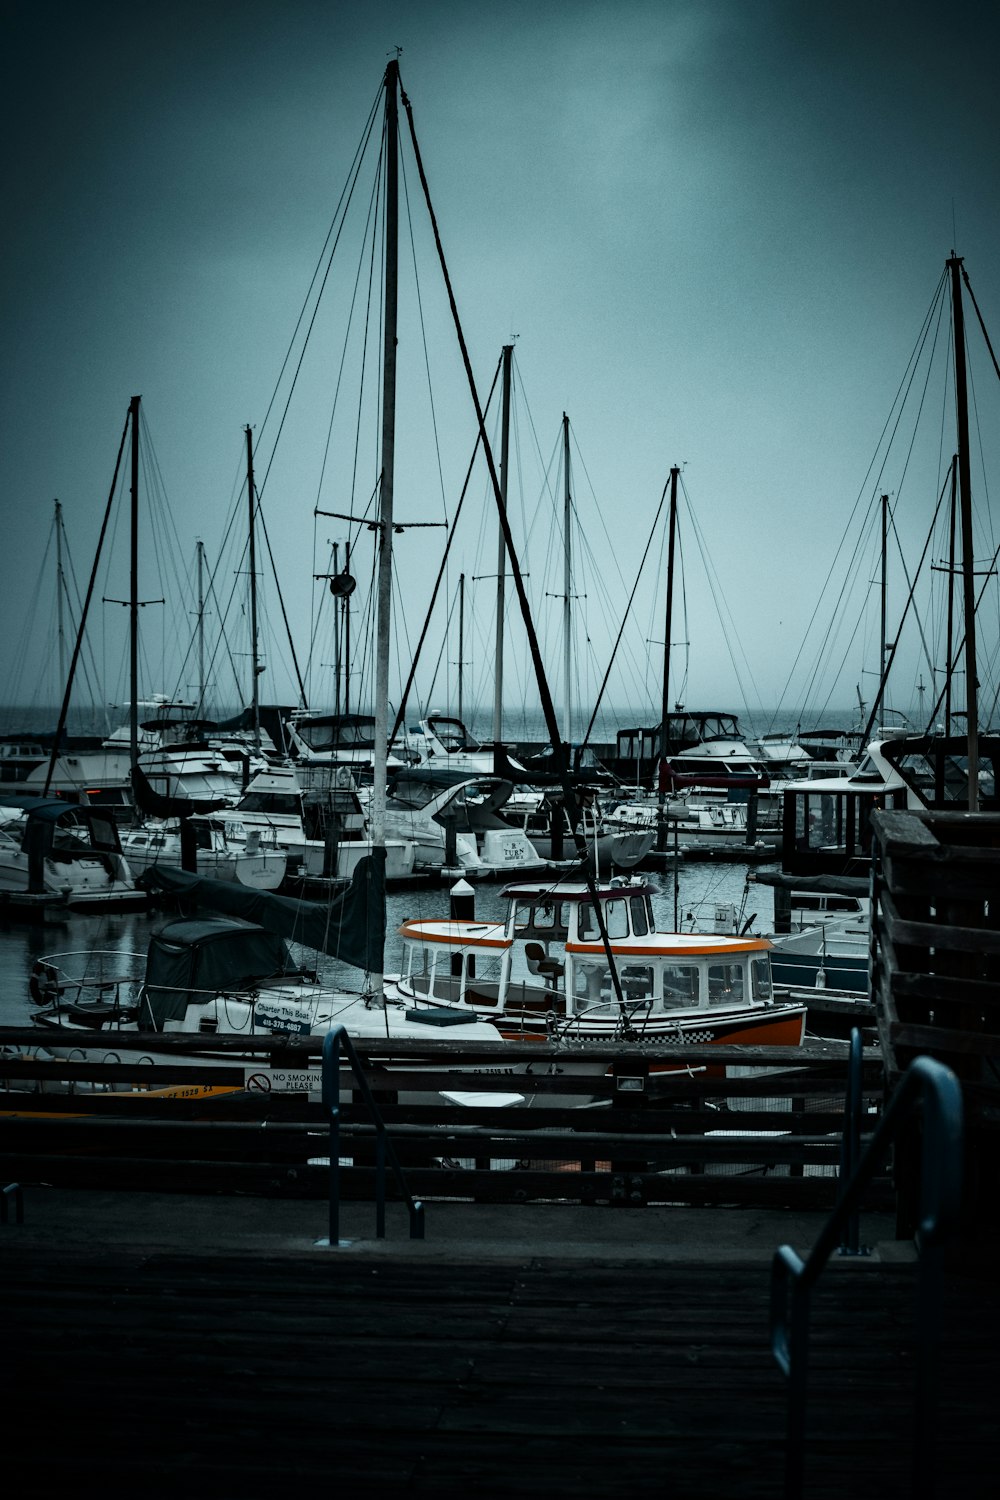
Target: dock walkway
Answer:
pixel 168 1343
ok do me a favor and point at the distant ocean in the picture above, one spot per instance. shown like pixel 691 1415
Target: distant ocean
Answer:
pixel 520 724
pixel 525 725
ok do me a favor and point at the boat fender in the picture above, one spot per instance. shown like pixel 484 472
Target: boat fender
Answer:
pixel 43 985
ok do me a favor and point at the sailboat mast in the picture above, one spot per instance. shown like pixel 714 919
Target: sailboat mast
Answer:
pixel 336 636
pixel 508 351
pixel 254 666
pixel 671 539
pixel 200 548
pixel 59 594
pixel 461 640
pixel 347 634
pixel 951 594
pixel 567 575
pixel 883 589
pixel 965 502
pixel 133 612
pixel 668 625
pixel 388 459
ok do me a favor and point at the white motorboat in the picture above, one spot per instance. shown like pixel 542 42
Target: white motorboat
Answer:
pixel 69 853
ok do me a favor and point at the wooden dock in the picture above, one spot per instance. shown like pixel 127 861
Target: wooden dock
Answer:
pixel 170 1370
pixel 592 1323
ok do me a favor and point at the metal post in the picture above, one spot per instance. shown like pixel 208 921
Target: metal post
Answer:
pixel 331 1105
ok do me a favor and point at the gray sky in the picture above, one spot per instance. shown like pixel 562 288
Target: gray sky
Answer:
pixel 714 226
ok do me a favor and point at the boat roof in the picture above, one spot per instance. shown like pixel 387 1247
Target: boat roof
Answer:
pixel 574 890
pixel 676 945
pixel 45 809
pixel 457 932
pixel 444 777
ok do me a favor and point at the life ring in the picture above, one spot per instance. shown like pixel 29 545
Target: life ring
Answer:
pixel 43 983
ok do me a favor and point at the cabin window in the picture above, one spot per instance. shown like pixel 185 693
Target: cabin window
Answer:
pixel 591 983
pixel 420 969
pixel 272 802
pixel 547 920
pixel 760 978
pixel 103 833
pixel 615 919
pixel 543 916
pixel 680 985
pixel 637 983
pixel 641 915
pixel 725 982
pixel 482 979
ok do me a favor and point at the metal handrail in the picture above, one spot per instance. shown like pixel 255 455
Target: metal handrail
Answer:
pixel 336 1036
pixel 850 1151
pixel 930 1084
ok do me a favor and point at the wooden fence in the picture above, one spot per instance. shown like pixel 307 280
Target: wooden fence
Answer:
pixel 770 1135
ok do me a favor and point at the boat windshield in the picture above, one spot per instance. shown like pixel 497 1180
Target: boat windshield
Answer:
pixel 616 912
pixel 272 802
pixel 337 734
pixel 545 919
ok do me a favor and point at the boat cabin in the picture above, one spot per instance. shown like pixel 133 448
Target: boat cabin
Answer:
pixel 549 956
pixel 826 823
pixel 638 751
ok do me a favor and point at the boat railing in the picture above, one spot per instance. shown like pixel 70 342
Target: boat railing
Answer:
pixel 336 1038
pixel 70 977
pixel 933 1089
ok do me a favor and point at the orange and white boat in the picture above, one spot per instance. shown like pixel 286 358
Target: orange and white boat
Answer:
pixel 546 972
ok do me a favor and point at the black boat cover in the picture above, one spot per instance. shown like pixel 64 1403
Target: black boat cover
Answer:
pixel 350 926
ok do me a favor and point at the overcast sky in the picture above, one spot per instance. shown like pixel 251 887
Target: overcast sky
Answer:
pixel 714 226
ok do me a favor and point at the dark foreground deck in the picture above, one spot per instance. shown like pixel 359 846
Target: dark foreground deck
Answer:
pixel 160 1345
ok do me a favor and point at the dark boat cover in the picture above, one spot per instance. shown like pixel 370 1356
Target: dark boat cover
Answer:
pixel 350 926
pixel 199 959
pixel 156 805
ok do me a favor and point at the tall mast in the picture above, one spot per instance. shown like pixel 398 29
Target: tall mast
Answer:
pixel 254 663
pixel 965 500
pixel 672 533
pixel 567 575
pixel 668 626
pixel 133 613
pixel 882 591
pixel 951 595
pixel 508 351
pixel 347 634
pixel 201 629
pixel 336 636
pixel 461 640
pixel 59 596
pixel 388 459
